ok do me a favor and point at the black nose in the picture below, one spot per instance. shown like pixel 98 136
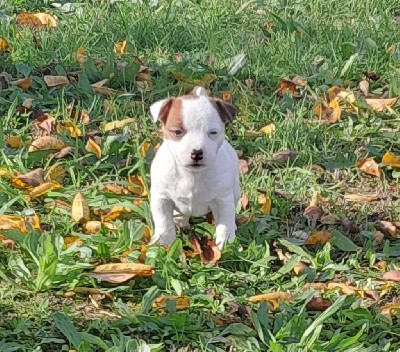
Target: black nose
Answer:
pixel 197 154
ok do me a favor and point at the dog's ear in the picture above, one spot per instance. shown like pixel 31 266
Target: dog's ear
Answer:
pixel 199 91
pixel 226 111
pixel 160 109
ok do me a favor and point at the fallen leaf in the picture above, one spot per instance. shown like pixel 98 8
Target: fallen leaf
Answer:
pixel 56 173
pixel 182 302
pixel 70 240
pixel 109 92
pixel 4 46
pixel 349 226
pixel 334 111
pixel 378 239
pixel 13 222
pixel 268 129
pixel 244 201
pixel 43 189
pixel 137 269
pixel 390 309
pixel 391 159
pixel 144 149
pixel 115 212
pixel 28 20
pixel 46 19
pixel 46 143
pixel 23 83
pixel 266 204
pixel 63 153
pixel 364 87
pixel 387 228
pixel 370 166
pixel 79 209
pixel 313 212
pixel 33 178
pixel 137 186
pixel 79 116
pixel 333 92
pixel 114 278
pixel 286 86
pixel 361 197
pixel 284 156
pixel 226 96
pixel 68 127
pixel 206 248
pixel 380 105
pixel 120 48
pixel 243 166
pixel 320 237
pixel 113 188
pixel 272 298
pixel 14 142
pixel 345 289
pixel 93 147
pixel 55 81
pixel 328 219
pixel 393 275
pixel 119 124
pixel 95 226
pixel 43 126
pixel 318 304
pixel 81 56
pixel 372 75
pixel 299 81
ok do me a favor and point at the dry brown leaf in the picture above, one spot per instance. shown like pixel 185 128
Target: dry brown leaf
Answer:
pixel 284 156
pixel 243 166
pixel 286 86
pixel 393 275
pixel 13 222
pixel 370 166
pixel 14 142
pixel 95 226
pixel 364 87
pixel 70 240
pixel 387 228
pixel 93 147
pixel 244 201
pixel 361 197
pixel 137 185
pixel 23 83
pixel 46 143
pixel 108 92
pixel 28 20
pixel 63 153
pixel 79 116
pixel 390 309
pixel 333 92
pixel 391 159
pixel 318 304
pixel 329 219
pixel 56 173
pixel 268 129
pixel 226 96
pixel 33 178
pixel 59 204
pixel 115 212
pixel 272 298
pixel 43 189
pixel 320 237
pixel 81 56
pixel 378 239
pixel 313 212
pixel 55 81
pixel 4 46
pixel 43 126
pixel 299 81
pixel 372 75
pixel 136 269
pixel 113 188
pixel 380 105
pixel 114 278
pixel 206 248
pixel 80 209
pixel 266 203
pixel 46 19
pixel 345 289
pixel 349 226
pixel 182 302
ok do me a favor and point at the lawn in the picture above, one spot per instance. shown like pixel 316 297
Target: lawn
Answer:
pixel 315 264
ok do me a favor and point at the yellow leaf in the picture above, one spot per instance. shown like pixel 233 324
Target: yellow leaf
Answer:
pixel 391 159
pixel 345 289
pixel 336 111
pixel 390 309
pixel 109 92
pixel 320 237
pixel 80 209
pixel 266 204
pixel 34 220
pixel 269 129
pixel 4 46
pixel 120 48
pixel 28 20
pixel 70 240
pixel 95 226
pixel 46 19
pixel 115 212
pixel 361 197
pixel 113 188
pixel 56 81
pixel 137 186
pixel 6 174
pixel 93 147
pixel 56 173
pixel 272 298
pixel 14 142
pixel 12 222
pixel 207 79
pixel 70 128
pixel 144 149
pixel 23 83
pixel 380 105
pixel 370 166
pixel 81 56
pixel 114 125
pixel 137 269
pixel 182 302
pixel 43 189
pixel 45 143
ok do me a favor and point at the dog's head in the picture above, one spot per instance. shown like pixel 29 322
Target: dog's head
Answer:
pixel 193 126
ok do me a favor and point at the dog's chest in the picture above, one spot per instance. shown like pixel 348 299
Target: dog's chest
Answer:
pixel 192 196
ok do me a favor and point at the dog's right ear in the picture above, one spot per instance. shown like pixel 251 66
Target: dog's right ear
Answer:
pixel 160 109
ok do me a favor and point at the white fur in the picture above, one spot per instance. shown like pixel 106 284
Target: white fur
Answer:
pixel 178 186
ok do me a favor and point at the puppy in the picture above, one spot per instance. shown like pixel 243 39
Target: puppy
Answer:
pixel 195 170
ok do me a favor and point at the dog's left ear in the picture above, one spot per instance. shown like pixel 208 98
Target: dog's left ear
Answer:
pixel 226 111
pixel 160 109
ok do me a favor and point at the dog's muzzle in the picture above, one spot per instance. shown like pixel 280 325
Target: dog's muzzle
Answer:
pixel 197 155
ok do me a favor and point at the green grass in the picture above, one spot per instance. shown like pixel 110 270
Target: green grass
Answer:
pixel 40 305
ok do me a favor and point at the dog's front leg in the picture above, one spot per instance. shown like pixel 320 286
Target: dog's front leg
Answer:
pixel 164 228
pixel 223 211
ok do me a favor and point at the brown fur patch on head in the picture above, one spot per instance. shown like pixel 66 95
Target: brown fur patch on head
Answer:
pixel 172 119
pixel 226 111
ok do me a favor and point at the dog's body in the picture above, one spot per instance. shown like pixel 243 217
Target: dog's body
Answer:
pixel 195 170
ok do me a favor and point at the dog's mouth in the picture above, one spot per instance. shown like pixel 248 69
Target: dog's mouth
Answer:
pixel 195 166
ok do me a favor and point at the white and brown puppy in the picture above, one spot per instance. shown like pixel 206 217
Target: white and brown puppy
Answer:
pixel 195 170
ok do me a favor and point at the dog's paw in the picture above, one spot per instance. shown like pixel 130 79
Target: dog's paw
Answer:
pixel 163 237
pixel 182 221
pixel 224 235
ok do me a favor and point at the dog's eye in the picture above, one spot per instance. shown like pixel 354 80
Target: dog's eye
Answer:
pixel 212 133
pixel 177 133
